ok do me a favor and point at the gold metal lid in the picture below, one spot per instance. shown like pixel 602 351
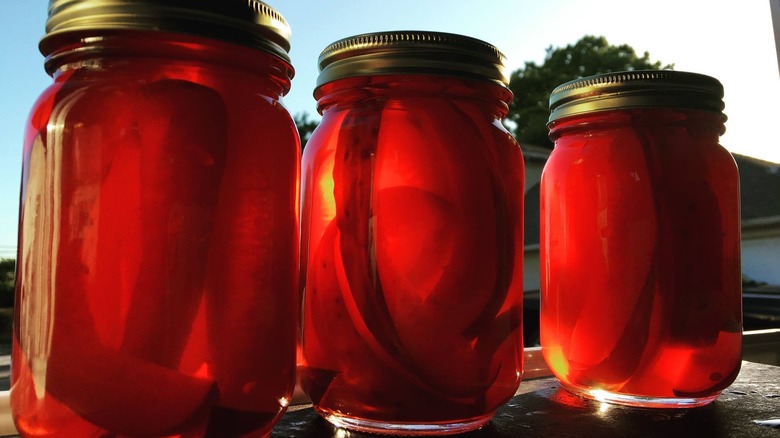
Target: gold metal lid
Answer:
pixel 636 89
pixel 411 52
pixel 250 23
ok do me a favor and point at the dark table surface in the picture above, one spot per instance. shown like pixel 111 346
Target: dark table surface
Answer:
pixel 542 409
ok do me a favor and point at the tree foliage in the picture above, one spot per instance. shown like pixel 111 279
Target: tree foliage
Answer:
pixel 533 83
pixel 305 126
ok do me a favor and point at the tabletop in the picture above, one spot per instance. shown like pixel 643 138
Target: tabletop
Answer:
pixel 750 407
pixel 541 408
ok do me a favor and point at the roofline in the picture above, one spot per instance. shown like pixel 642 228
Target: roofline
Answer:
pixel 760 227
pixel 535 151
pixel 759 161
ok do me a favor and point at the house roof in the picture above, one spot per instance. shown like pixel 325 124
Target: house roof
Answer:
pixel 759 187
pixel 533 152
pixel 531 216
pixel 759 192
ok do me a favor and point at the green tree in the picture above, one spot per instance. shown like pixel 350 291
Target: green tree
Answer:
pixel 533 83
pixel 7 272
pixel 305 126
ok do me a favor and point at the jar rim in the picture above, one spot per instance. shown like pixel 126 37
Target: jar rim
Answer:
pixel 411 52
pixel 249 23
pixel 636 89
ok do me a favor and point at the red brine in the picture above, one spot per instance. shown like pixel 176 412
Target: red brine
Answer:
pixel 412 239
pixel 412 232
pixel 640 250
pixel 158 244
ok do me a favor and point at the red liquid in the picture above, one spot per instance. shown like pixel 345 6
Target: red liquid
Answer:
pixel 158 252
pixel 412 238
pixel 641 277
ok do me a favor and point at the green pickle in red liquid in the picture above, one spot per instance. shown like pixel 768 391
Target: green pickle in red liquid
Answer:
pixel 413 248
pixel 641 285
pixel 158 246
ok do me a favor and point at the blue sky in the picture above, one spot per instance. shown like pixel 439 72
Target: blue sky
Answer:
pixel 732 41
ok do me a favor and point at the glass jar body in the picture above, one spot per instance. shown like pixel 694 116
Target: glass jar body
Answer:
pixel 158 242
pixel 640 250
pixel 412 242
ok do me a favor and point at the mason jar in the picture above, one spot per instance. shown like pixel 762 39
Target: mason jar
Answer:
pixel 158 248
pixel 412 236
pixel 640 240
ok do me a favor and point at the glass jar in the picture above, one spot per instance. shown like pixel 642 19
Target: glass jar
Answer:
pixel 158 249
pixel 640 240
pixel 412 236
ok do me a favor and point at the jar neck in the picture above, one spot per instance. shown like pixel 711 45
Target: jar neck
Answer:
pixel 375 90
pixel 121 48
pixel 701 122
